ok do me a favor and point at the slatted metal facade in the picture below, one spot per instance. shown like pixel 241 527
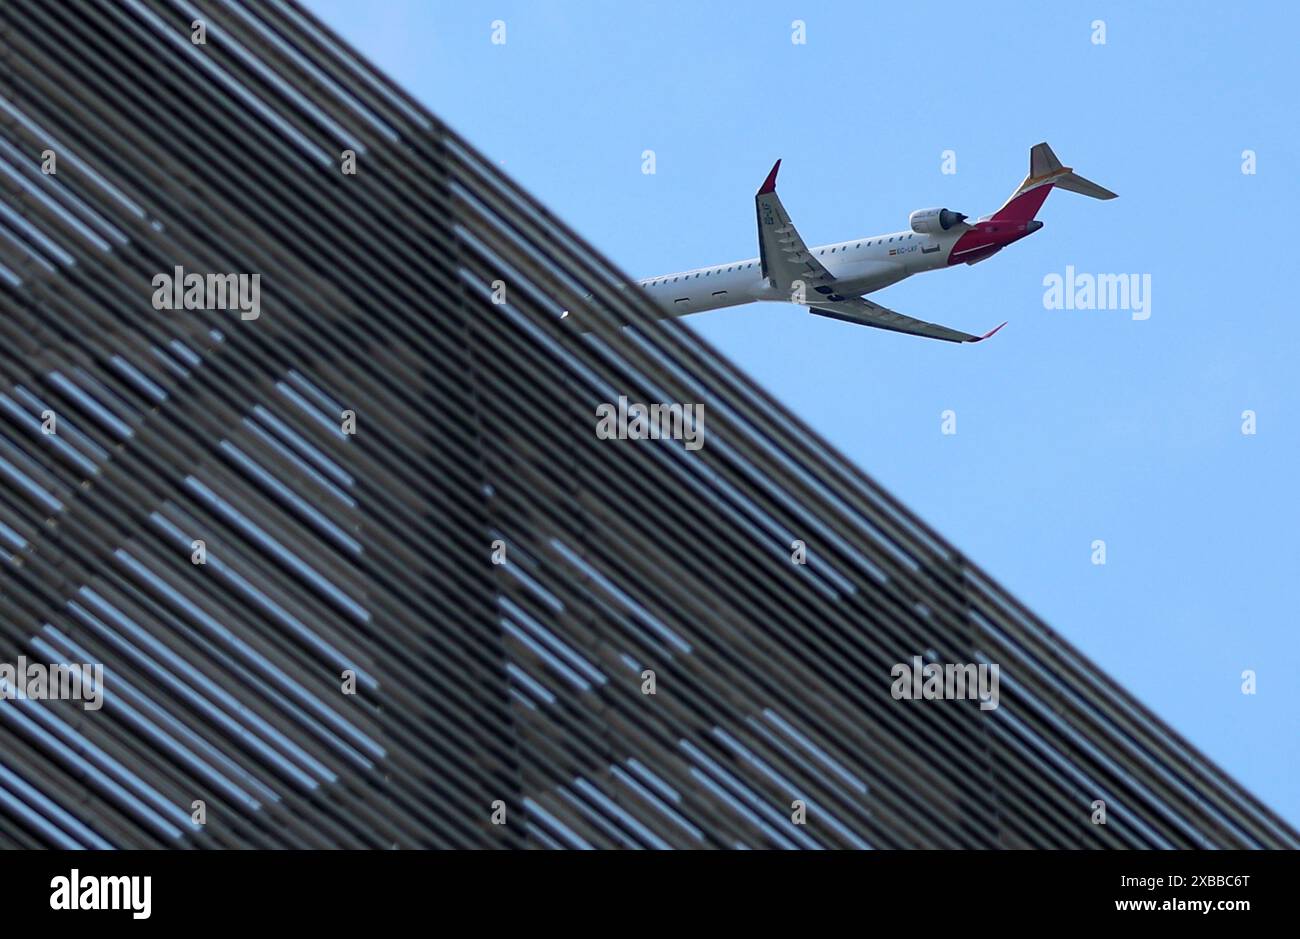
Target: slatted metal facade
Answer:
pixel 475 682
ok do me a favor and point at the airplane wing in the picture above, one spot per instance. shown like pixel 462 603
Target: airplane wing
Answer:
pixel 862 311
pixel 782 252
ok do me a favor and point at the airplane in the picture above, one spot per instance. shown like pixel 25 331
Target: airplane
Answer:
pixel 831 280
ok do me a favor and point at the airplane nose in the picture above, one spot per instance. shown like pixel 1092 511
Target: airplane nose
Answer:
pixel 1033 226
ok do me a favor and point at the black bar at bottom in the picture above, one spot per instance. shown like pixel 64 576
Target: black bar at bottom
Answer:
pixel 671 889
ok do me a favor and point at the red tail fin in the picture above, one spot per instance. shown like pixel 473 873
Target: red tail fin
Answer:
pixel 1045 171
pixel 1023 206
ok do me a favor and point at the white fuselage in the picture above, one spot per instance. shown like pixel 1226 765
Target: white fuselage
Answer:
pixel 859 267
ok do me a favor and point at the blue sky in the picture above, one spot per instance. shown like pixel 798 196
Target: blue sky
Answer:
pixel 1072 425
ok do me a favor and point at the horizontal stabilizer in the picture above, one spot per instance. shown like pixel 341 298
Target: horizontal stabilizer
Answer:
pixel 1076 183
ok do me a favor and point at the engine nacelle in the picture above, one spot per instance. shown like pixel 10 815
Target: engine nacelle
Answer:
pixel 934 221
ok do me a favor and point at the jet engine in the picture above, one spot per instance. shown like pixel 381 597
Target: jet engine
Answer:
pixel 934 221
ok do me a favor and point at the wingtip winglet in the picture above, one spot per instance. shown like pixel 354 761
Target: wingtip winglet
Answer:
pixel 990 333
pixel 769 184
